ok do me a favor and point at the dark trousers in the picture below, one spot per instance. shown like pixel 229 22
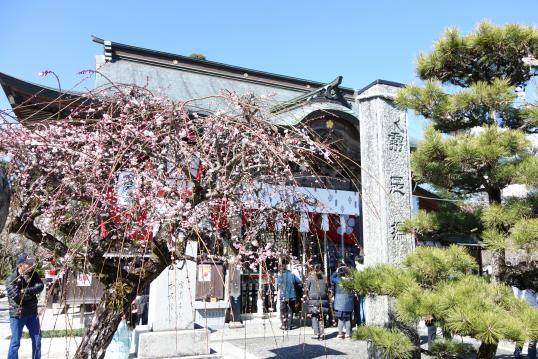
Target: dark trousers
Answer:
pixel 287 307
pixel 344 323
pixel 143 318
pixel 235 304
pixel 318 324
pixel 531 353
pixel 358 312
pixel 34 329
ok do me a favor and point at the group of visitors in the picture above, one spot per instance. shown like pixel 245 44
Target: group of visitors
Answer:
pixel 322 299
pixel 319 293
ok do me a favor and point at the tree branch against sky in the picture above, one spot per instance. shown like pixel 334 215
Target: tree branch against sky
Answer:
pixel 477 145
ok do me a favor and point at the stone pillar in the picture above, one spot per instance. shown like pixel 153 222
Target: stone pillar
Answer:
pixel 171 296
pixel 170 332
pixel 385 184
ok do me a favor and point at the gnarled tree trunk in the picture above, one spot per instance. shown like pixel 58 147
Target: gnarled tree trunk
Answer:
pixel 121 285
pixel 104 324
pixel 487 351
pixel 5 198
pixel 116 300
pixel 409 329
pixel 498 257
pixel 498 265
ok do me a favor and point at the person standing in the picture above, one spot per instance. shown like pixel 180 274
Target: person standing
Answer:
pixel 360 305
pixel 286 283
pixel 318 300
pixel 144 306
pixel 22 287
pixel 234 292
pixel 529 295
pixel 141 304
pixel 343 302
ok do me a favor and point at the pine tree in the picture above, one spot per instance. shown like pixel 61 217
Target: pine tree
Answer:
pixel 434 285
pixel 478 142
pixel 476 146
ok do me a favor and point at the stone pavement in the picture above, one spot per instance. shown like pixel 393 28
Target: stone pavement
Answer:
pixel 259 338
pixel 263 339
pixel 298 346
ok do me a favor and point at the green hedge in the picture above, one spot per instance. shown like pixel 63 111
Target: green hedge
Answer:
pixel 57 333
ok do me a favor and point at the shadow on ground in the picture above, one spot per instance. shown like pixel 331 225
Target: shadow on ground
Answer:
pixel 305 351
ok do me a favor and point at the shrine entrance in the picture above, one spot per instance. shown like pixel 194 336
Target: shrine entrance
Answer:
pixel 328 234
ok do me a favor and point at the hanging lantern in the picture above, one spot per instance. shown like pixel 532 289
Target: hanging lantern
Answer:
pixel 324 225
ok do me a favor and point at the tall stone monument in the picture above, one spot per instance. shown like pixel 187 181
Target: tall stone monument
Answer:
pixel 171 331
pixel 385 184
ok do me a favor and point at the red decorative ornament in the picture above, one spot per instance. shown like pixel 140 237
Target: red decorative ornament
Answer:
pixel 333 235
pixel 139 232
pixel 219 215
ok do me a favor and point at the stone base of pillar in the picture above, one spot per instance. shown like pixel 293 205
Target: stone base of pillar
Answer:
pixel 138 330
pixel 259 313
pixel 173 344
pixel 377 310
pixel 373 352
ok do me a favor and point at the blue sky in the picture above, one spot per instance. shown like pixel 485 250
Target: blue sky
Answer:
pixel 316 40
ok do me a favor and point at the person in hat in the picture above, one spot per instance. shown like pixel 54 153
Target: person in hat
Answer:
pixel 22 287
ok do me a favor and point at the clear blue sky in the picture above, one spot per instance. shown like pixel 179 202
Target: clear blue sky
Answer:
pixel 316 40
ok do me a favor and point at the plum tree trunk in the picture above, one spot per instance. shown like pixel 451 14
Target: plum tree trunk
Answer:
pixel 105 322
pixel 116 300
pixel 498 257
pixel 410 329
pixel 121 284
pixel 487 351
pixel 121 280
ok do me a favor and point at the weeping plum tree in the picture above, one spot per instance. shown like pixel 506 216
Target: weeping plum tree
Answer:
pixel 131 171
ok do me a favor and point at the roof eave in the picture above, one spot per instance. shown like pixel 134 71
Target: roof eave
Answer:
pixel 237 70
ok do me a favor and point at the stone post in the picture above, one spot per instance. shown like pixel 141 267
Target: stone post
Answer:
pixel 385 184
pixel 170 332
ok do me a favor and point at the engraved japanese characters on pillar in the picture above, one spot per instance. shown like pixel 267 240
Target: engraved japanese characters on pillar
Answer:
pixel 397 185
pixel 397 167
pixel 385 184
pixel 396 141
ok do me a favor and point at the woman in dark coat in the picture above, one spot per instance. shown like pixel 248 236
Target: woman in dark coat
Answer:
pixel 318 300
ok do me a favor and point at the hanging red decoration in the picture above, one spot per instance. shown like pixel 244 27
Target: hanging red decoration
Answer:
pixel 335 230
